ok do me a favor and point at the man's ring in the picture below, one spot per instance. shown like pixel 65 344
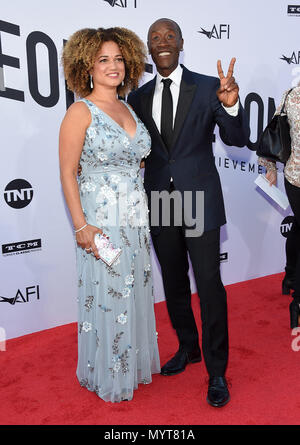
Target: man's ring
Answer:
pixel 89 249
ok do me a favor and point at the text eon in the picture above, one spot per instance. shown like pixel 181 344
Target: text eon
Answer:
pixel 36 38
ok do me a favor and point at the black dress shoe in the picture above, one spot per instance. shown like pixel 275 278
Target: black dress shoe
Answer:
pixel 178 363
pixel 218 394
pixel 288 284
pixel 294 313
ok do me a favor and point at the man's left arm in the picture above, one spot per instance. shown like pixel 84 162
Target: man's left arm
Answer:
pixel 231 117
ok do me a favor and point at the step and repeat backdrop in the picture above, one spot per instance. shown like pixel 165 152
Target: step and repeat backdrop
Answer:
pixel 38 285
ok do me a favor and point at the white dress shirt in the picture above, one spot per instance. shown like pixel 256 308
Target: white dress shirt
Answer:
pixel 175 76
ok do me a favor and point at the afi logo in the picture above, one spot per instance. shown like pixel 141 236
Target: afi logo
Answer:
pixel 18 193
pixel 122 3
pixel 295 58
pixel 23 297
pixel 223 31
pixel 286 226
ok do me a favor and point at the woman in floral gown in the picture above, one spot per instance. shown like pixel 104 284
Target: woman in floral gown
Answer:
pixel 117 343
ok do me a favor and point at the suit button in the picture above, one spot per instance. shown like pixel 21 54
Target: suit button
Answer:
pixel 171 161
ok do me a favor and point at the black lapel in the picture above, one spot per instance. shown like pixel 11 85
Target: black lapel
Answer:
pixel 186 95
pixel 146 102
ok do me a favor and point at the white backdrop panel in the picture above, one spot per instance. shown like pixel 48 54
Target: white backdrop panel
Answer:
pixel 38 287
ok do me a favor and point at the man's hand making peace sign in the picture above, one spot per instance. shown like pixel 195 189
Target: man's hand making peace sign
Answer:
pixel 228 93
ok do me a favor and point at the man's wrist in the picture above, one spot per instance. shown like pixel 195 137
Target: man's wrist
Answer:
pixel 233 111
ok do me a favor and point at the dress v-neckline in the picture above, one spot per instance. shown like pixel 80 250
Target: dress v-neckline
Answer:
pixel 116 123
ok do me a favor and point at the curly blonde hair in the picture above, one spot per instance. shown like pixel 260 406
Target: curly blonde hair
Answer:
pixel 80 51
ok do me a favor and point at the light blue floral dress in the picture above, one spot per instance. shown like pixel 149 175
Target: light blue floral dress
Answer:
pixel 117 340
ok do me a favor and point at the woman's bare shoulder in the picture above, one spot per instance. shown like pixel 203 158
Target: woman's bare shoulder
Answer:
pixel 78 107
pixel 79 113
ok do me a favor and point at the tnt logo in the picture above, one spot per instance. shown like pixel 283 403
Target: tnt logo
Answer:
pixel 18 193
pixel 286 226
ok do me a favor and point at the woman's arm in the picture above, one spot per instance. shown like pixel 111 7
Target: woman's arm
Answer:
pixel 71 140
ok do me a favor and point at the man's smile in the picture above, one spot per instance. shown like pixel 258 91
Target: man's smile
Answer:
pixel 164 53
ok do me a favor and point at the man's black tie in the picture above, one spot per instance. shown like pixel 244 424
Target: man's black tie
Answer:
pixel 166 123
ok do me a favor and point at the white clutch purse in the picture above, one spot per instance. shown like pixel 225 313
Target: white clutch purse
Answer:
pixel 107 251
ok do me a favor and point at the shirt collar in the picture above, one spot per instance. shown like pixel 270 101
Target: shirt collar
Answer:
pixel 175 76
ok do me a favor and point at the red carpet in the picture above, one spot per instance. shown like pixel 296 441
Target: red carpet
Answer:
pixel 39 386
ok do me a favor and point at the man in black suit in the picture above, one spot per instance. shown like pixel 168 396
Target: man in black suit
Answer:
pixel 181 114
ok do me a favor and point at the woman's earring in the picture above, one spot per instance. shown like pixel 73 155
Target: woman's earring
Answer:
pixel 122 84
pixel 91 82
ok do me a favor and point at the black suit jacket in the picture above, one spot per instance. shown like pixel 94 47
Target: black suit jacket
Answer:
pixel 190 162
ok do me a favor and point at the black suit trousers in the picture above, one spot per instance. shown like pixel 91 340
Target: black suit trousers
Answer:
pixel 173 248
pixel 293 240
